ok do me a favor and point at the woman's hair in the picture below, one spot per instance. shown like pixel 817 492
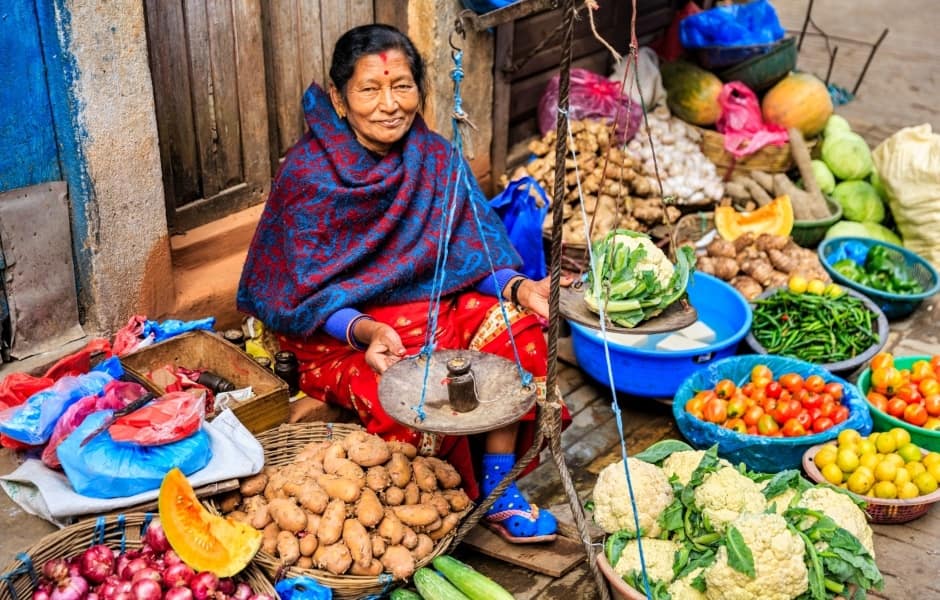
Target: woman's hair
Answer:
pixel 373 39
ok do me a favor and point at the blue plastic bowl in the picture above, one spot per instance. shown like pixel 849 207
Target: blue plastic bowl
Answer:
pixel 894 306
pixel 762 453
pixel 656 373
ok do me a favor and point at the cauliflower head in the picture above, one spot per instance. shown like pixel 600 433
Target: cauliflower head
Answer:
pixel 683 463
pixel 652 491
pixel 779 570
pixel 659 555
pixel 726 494
pixel 781 502
pixel 655 260
pixel 841 509
pixel 681 589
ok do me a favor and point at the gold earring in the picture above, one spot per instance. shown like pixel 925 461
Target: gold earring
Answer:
pixel 341 113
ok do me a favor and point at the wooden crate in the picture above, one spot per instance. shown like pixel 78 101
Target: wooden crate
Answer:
pixel 202 350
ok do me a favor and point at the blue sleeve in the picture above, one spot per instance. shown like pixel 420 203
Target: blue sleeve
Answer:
pixel 490 288
pixel 338 322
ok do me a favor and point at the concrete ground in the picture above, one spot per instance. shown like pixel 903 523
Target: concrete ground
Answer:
pixel 899 90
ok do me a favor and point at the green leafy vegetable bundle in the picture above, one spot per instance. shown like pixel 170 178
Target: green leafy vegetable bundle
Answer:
pixel 633 280
pixel 731 533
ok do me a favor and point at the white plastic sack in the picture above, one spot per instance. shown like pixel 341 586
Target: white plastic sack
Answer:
pixel 651 83
pixel 908 164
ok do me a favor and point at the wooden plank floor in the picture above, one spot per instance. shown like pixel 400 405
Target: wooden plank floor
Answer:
pixel 908 554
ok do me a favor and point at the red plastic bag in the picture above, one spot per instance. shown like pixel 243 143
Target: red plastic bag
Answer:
pixel 591 96
pixel 117 394
pixel 79 363
pixel 170 418
pixel 128 337
pixel 668 47
pixel 742 123
pixel 17 387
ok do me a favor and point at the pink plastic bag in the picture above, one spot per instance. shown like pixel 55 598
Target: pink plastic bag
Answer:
pixel 742 123
pixel 591 96
pixel 117 394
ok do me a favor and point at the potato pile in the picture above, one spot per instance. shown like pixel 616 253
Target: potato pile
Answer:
pixel 359 505
pixel 752 264
pixel 615 193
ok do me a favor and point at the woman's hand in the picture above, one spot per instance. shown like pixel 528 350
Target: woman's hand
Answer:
pixel 533 295
pixel 385 347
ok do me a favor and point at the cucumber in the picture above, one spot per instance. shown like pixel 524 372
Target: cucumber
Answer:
pixel 432 586
pixel 403 594
pixel 468 580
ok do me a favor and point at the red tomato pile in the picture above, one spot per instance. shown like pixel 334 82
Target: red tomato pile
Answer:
pixel 786 407
pixel 912 395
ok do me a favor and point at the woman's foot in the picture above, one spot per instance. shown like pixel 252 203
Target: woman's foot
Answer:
pixel 511 515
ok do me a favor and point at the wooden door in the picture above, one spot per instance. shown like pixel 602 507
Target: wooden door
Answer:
pixel 299 38
pixel 228 78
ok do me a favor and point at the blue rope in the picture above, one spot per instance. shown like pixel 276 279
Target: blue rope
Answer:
pixel 602 318
pixel 25 569
pixel 456 165
pixel 97 536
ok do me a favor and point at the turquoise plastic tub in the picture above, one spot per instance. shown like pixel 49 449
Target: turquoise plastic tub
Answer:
pixel 656 373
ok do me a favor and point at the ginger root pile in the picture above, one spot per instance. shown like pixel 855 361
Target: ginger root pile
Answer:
pixel 616 194
pixel 753 264
pixel 358 506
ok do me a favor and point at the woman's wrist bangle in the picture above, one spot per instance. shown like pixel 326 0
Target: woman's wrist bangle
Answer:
pixel 514 291
pixel 351 336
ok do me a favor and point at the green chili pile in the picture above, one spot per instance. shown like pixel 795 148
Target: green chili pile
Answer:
pixel 816 328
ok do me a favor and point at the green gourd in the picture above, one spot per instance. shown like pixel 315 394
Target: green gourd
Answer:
pixel 472 583
pixel 432 586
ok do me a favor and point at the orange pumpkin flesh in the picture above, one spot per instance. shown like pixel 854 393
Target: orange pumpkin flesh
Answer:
pixel 204 541
pixel 775 218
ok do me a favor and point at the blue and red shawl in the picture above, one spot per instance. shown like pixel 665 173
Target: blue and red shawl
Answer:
pixel 345 228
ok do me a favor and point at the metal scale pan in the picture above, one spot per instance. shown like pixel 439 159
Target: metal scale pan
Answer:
pixel 495 382
pixel 677 315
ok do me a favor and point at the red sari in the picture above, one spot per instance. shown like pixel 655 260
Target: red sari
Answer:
pixel 332 371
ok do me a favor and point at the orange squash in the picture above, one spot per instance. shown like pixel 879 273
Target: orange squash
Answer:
pixel 800 100
pixel 775 218
pixel 691 92
pixel 204 541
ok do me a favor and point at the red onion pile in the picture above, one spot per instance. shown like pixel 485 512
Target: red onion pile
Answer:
pixel 152 572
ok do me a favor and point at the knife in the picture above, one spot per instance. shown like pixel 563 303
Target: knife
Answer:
pixel 116 415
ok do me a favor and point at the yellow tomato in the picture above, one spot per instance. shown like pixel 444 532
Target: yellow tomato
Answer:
pixel 797 284
pixel 816 286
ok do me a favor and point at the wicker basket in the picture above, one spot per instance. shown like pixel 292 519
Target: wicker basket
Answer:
pixel 770 158
pixel 281 445
pixel 880 510
pixel 118 531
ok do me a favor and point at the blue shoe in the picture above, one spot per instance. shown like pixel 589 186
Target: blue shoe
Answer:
pixel 511 516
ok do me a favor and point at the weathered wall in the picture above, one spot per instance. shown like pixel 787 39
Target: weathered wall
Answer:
pixel 429 24
pixel 126 241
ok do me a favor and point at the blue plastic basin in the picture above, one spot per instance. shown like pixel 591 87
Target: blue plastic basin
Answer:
pixel 656 373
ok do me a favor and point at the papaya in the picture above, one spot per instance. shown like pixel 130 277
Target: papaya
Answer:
pixel 691 92
pixel 204 541
pixel 799 100
pixel 775 218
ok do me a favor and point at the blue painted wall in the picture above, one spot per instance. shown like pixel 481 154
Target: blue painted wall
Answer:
pixel 28 150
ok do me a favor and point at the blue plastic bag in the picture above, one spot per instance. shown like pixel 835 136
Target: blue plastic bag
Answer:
pixel 485 6
pixel 762 453
pixel 523 219
pixel 104 468
pixel 302 588
pixel 164 330
pixel 33 421
pixel 751 24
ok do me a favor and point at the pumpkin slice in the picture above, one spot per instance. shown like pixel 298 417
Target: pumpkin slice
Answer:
pixel 775 218
pixel 204 541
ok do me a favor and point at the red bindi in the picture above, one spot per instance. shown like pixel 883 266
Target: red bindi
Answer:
pixel 383 57
pixel 386 72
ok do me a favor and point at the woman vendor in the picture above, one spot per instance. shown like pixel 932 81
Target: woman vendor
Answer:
pixel 342 264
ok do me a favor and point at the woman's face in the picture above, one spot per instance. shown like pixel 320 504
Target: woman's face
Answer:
pixel 381 100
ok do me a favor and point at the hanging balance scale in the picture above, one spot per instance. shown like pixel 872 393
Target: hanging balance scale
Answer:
pixel 466 392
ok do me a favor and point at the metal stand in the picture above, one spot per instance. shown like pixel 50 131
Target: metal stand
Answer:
pixel 549 410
